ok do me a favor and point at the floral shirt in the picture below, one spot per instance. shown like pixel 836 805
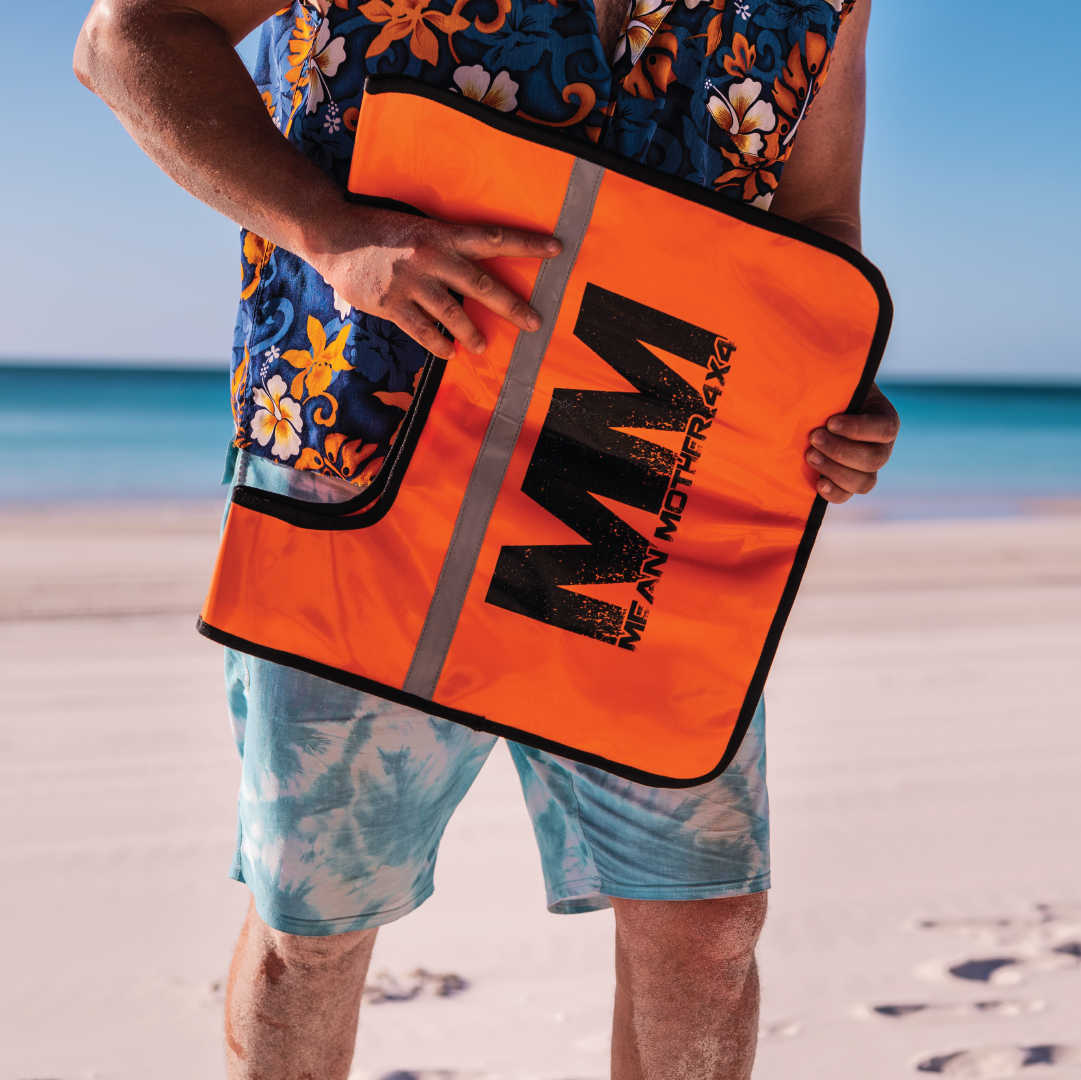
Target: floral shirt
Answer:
pixel 709 90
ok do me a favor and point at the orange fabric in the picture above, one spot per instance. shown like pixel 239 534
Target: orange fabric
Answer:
pixel 801 320
pixel 727 568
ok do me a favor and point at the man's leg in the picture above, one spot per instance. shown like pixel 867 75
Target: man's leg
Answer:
pixel 343 800
pixel 292 1003
pixel 686 988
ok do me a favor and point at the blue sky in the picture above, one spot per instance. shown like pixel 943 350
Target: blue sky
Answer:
pixel 969 165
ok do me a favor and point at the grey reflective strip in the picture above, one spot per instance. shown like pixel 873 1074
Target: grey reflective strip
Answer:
pixel 501 437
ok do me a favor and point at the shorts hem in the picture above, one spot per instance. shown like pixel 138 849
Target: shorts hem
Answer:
pixel 578 896
pixel 712 891
pixel 593 895
pixel 289 924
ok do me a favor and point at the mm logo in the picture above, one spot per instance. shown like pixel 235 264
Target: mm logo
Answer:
pixel 580 454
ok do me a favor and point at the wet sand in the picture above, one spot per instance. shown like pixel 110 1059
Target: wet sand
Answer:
pixel 925 748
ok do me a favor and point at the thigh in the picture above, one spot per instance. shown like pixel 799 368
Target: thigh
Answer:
pixel 603 836
pixel 344 797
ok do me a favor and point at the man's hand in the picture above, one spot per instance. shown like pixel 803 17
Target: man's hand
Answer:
pixel 171 75
pixel 820 187
pixel 402 268
pixel 849 450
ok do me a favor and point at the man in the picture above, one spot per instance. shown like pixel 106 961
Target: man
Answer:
pixel 345 796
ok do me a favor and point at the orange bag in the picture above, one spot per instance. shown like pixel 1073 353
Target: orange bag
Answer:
pixel 588 538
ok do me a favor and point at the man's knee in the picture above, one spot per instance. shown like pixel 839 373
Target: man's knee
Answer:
pixel 720 930
pixel 279 953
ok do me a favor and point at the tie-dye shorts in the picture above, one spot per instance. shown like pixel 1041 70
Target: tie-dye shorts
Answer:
pixel 344 798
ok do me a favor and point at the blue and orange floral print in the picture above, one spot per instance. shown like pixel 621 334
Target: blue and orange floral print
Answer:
pixel 712 91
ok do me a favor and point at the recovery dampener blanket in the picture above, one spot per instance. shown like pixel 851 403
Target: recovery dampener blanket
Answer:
pixel 588 538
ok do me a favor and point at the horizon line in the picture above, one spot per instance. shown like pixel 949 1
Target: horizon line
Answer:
pixel 928 379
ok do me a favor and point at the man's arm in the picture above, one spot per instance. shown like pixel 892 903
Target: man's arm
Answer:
pixel 171 74
pixel 820 188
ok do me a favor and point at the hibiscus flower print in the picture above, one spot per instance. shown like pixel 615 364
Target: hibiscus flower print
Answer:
pixel 475 83
pixel 742 114
pixel 329 56
pixel 277 416
pixel 409 17
pixel 643 21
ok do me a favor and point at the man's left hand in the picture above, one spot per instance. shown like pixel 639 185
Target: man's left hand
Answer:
pixel 849 450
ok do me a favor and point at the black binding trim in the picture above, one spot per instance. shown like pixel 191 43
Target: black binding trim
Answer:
pixel 458 716
pixel 313 516
pixel 635 170
pixel 374 501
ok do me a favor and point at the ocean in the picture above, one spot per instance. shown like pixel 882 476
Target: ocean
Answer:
pixel 100 434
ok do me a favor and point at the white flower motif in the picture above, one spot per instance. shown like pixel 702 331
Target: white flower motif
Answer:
pixel 644 18
pixel 272 353
pixel 476 84
pixel 743 115
pixel 278 416
pixel 763 201
pixel 744 10
pixel 329 56
pixel 332 121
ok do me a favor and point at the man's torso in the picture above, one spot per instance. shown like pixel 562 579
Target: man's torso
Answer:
pixel 712 91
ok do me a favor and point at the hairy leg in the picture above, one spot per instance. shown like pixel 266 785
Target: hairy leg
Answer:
pixel 686 988
pixel 292 1003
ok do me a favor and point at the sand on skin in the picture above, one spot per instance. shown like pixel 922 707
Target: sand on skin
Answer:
pixel 924 752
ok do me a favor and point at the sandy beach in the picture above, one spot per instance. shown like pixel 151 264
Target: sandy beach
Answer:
pixel 924 755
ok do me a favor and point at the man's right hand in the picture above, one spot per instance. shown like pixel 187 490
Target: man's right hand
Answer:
pixel 171 75
pixel 404 268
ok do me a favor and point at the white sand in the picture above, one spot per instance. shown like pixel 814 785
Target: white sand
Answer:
pixel 925 750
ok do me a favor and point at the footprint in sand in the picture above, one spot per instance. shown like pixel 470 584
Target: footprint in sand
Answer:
pixel 384 987
pixel 1005 970
pixel 992 1062
pixel 949 1012
pixel 1050 926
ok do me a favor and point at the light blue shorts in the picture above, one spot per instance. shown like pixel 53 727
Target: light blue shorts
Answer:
pixel 344 798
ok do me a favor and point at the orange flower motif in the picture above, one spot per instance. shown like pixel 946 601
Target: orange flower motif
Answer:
pixel 257 252
pixel 237 382
pixel 749 170
pixel 405 17
pixel 342 460
pixel 655 65
pixel 799 78
pixel 300 47
pixel 742 59
pixel 318 367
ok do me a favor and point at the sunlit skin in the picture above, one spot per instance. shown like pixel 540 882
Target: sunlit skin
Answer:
pixel 686 1003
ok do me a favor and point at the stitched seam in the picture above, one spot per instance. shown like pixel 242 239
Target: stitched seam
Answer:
pixel 581 827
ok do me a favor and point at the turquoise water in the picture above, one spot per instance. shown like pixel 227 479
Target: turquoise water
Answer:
pixel 971 450
pixel 111 433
